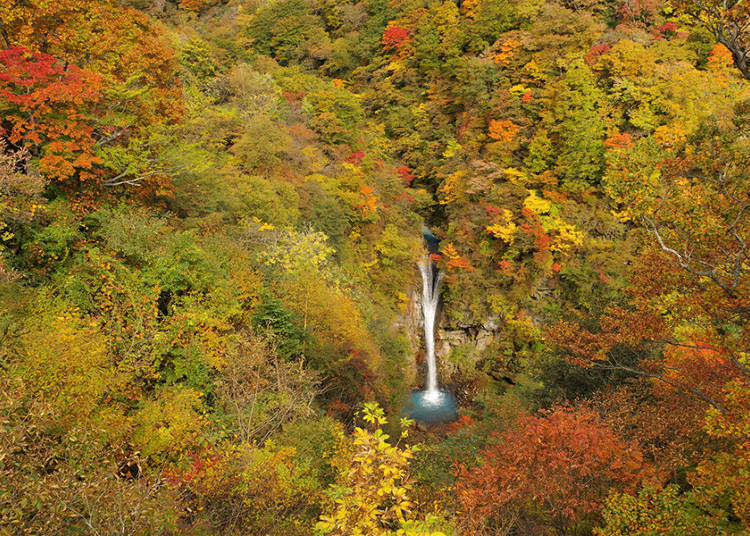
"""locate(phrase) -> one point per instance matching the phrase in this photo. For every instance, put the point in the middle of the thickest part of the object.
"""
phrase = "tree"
(371, 495)
(243, 488)
(49, 108)
(581, 130)
(656, 512)
(728, 21)
(118, 43)
(716, 501)
(554, 470)
(64, 433)
(696, 208)
(336, 112)
(722, 482)
(289, 31)
(20, 195)
(261, 391)
(395, 37)
(687, 302)
(102, 75)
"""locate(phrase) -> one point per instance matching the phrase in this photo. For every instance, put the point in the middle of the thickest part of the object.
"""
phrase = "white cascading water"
(430, 299)
(432, 405)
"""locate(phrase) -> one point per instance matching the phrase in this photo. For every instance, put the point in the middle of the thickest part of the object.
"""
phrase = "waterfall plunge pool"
(431, 407)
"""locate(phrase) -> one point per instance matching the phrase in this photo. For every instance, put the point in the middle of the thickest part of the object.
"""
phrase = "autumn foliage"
(50, 108)
(211, 216)
(395, 37)
(503, 130)
(538, 469)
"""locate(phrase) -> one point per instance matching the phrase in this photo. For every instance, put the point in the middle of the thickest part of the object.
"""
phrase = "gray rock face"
(478, 336)
(409, 323)
(472, 338)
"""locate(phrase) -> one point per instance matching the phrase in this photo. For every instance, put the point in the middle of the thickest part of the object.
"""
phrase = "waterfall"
(430, 298)
(432, 405)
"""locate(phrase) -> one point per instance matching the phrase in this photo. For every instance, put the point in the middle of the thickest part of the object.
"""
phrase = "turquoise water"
(432, 407)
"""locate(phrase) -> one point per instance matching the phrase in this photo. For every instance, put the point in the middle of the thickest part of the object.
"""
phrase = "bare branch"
(610, 365)
(684, 261)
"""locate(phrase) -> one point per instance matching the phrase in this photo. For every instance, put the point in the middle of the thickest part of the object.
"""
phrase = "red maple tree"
(556, 468)
(48, 107)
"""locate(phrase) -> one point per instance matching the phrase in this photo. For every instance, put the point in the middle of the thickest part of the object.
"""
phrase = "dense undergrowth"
(211, 212)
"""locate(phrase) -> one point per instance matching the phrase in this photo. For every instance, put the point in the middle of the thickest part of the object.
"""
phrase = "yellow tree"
(371, 497)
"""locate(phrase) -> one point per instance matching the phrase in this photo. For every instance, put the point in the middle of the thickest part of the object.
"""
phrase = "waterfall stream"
(433, 405)
(430, 298)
